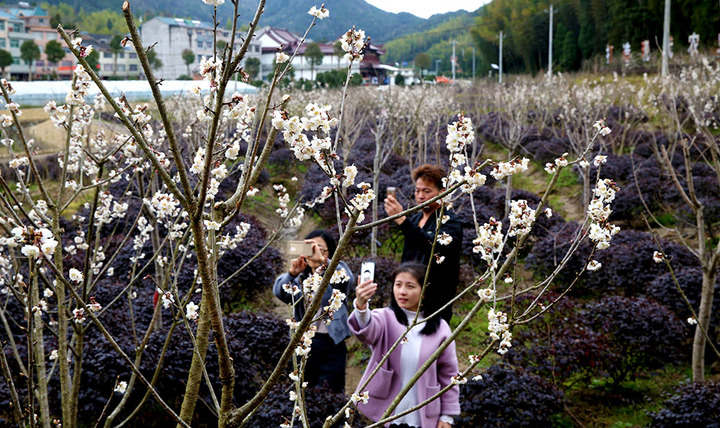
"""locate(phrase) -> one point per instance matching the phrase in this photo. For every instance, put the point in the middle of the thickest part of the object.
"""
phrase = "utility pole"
(550, 42)
(666, 40)
(454, 59)
(500, 60)
(473, 79)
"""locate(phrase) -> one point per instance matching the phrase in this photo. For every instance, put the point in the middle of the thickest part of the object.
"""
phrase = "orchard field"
(136, 261)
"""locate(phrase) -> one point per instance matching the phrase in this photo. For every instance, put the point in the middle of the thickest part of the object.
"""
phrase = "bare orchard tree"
(688, 105)
(150, 195)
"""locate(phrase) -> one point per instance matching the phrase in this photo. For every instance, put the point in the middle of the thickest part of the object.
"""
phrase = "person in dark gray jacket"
(326, 361)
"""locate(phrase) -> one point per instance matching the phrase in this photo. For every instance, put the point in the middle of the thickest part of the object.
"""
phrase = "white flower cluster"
(311, 284)
(489, 240)
(460, 134)
(163, 205)
(353, 43)
(243, 112)
(304, 347)
(458, 379)
(444, 239)
(283, 200)
(602, 127)
(599, 210)
(38, 242)
(79, 315)
(349, 175)
(504, 169)
(562, 160)
(291, 289)
(318, 119)
(107, 209)
(167, 298)
(339, 276)
(363, 397)
(362, 200)
(231, 242)
(498, 327)
(521, 218)
(94, 306)
(211, 70)
(336, 301)
(321, 13)
(80, 88)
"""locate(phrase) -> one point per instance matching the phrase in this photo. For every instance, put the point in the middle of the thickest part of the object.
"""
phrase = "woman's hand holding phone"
(364, 292)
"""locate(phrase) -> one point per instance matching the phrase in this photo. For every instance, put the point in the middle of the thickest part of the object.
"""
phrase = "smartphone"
(299, 248)
(391, 191)
(367, 271)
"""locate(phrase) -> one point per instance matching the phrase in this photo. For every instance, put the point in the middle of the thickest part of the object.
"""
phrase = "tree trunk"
(704, 311)
(38, 342)
(376, 183)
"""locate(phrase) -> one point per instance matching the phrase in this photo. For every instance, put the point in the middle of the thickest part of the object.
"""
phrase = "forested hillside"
(100, 16)
(584, 27)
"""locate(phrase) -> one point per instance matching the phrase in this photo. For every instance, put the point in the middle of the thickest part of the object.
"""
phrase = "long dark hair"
(417, 270)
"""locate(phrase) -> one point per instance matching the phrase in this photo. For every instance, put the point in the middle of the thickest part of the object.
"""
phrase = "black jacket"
(443, 278)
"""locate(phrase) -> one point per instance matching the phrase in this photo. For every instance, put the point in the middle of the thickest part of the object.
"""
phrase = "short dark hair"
(327, 237)
(417, 270)
(430, 173)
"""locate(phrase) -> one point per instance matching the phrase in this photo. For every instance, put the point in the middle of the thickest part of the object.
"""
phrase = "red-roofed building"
(273, 40)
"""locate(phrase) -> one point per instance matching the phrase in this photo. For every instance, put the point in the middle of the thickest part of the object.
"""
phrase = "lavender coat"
(382, 331)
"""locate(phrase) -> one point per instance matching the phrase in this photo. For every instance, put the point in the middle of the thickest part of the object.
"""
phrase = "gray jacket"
(338, 328)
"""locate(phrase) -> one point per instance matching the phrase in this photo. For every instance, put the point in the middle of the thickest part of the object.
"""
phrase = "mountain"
(435, 40)
(289, 14)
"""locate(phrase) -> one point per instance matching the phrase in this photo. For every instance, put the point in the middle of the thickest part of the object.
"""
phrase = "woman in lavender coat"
(380, 328)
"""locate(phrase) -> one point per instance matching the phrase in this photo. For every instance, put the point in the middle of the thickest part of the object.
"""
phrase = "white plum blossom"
(362, 200)
(167, 298)
(599, 160)
(562, 161)
(339, 276)
(504, 169)
(191, 311)
(321, 13)
(594, 265)
(53, 355)
(521, 218)
(121, 387)
(353, 43)
(486, 294)
(658, 257)
(498, 327)
(602, 127)
(550, 168)
(75, 275)
(349, 175)
(444, 239)
(79, 315)
(692, 321)
(489, 240)
(363, 397)
(281, 57)
(336, 300)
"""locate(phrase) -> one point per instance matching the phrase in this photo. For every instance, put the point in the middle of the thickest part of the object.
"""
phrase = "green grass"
(626, 404)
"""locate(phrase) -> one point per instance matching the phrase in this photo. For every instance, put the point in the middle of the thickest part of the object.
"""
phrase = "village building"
(175, 35)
